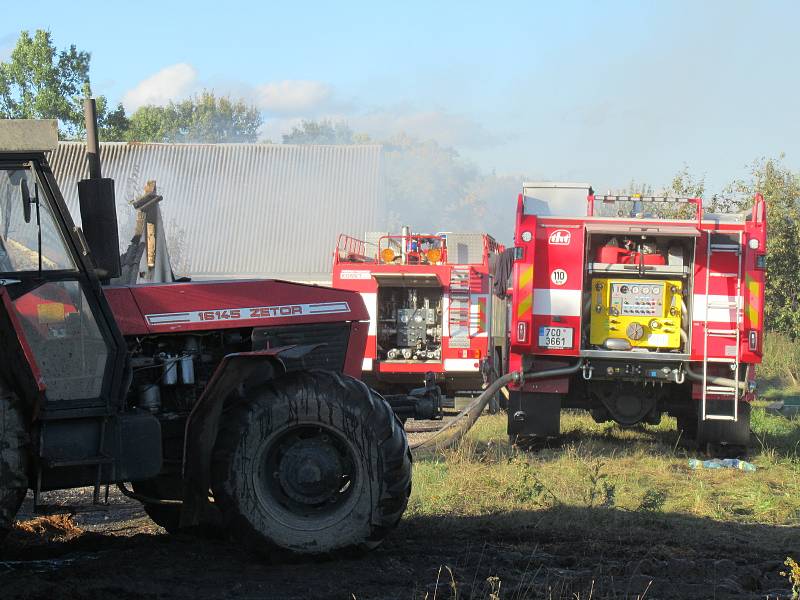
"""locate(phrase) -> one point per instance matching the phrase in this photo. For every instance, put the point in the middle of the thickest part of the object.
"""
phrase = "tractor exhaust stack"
(98, 207)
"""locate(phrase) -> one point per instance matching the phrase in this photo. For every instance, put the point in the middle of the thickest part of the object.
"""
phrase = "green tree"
(41, 82)
(205, 118)
(113, 124)
(781, 189)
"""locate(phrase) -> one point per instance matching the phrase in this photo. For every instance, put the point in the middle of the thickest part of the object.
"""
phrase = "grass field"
(606, 491)
(643, 469)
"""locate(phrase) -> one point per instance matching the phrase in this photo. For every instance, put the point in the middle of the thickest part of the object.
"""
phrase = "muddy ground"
(117, 553)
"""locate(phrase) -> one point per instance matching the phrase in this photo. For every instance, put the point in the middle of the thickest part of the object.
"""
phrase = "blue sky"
(590, 91)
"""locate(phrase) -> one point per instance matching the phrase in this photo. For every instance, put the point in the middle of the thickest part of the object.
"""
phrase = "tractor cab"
(64, 353)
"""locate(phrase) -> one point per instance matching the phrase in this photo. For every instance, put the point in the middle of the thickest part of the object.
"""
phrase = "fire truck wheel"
(727, 437)
(311, 463)
(687, 426)
(13, 459)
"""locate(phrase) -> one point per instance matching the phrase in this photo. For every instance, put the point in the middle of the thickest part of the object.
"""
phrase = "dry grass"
(51, 528)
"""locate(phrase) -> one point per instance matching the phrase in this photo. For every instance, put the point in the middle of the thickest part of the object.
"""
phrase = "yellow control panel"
(646, 313)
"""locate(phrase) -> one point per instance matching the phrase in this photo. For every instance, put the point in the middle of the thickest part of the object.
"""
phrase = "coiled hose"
(464, 421)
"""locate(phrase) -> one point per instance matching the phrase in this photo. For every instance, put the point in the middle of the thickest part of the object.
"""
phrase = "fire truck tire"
(735, 435)
(687, 426)
(311, 463)
(13, 459)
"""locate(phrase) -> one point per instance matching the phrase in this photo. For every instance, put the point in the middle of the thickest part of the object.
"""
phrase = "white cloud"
(296, 97)
(170, 83)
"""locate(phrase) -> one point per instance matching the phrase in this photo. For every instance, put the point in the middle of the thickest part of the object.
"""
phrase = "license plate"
(555, 337)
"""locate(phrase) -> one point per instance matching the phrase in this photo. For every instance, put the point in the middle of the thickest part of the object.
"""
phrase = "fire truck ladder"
(459, 312)
(726, 334)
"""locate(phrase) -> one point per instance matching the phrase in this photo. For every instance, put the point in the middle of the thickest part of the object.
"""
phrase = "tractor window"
(65, 339)
(19, 239)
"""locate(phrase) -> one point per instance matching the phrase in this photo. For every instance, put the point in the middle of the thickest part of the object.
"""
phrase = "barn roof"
(241, 210)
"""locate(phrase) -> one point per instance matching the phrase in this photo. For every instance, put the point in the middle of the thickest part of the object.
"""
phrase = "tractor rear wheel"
(312, 462)
(13, 459)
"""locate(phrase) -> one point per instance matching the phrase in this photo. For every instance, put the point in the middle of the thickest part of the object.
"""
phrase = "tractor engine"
(170, 371)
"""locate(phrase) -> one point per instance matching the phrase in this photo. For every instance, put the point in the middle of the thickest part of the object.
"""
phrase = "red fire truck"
(640, 306)
(431, 307)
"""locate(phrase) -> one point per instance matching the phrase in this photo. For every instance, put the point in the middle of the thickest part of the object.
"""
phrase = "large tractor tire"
(13, 460)
(311, 463)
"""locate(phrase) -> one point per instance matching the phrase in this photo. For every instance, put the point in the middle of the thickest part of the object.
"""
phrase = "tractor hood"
(207, 305)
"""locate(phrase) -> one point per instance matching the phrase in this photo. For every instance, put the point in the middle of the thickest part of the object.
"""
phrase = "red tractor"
(235, 403)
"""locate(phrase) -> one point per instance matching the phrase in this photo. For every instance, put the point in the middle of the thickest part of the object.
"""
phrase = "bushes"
(781, 360)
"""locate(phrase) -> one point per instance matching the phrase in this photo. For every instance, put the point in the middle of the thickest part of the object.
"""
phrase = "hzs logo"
(560, 237)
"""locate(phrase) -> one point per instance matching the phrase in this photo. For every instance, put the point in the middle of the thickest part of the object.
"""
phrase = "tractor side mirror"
(26, 200)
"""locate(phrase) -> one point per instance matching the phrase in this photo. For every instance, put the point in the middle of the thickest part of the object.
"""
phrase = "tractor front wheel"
(13, 459)
(312, 462)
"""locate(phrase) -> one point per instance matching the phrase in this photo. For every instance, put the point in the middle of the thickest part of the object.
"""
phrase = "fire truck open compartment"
(637, 290)
(409, 318)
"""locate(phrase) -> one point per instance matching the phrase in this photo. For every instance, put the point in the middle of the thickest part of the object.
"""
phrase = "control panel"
(636, 313)
(637, 299)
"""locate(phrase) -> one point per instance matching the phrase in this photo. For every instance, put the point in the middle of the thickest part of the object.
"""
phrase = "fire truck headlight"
(753, 243)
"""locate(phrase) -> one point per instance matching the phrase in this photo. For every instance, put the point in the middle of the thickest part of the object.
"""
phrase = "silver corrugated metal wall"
(242, 210)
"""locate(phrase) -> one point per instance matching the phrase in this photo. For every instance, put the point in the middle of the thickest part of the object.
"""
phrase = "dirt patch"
(556, 553)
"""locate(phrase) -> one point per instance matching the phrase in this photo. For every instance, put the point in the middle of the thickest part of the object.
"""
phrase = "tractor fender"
(202, 424)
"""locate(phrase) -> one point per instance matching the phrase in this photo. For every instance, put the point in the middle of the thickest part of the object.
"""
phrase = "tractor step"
(91, 461)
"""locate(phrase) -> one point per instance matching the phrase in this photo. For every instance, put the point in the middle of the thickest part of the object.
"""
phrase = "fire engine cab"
(639, 306)
(431, 307)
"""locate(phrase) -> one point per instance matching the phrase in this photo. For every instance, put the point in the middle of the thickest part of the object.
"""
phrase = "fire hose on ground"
(464, 421)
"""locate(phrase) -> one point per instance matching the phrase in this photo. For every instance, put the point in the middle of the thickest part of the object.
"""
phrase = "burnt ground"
(562, 552)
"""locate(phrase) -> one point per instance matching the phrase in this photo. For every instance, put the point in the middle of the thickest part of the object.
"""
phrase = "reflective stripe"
(564, 303)
(526, 275)
(753, 302)
(461, 364)
(371, 301)
(524, 285)
(366, 364)
(524, 306)
(715, 315)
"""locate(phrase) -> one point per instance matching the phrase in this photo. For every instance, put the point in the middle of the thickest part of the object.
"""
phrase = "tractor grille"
(334, 336)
